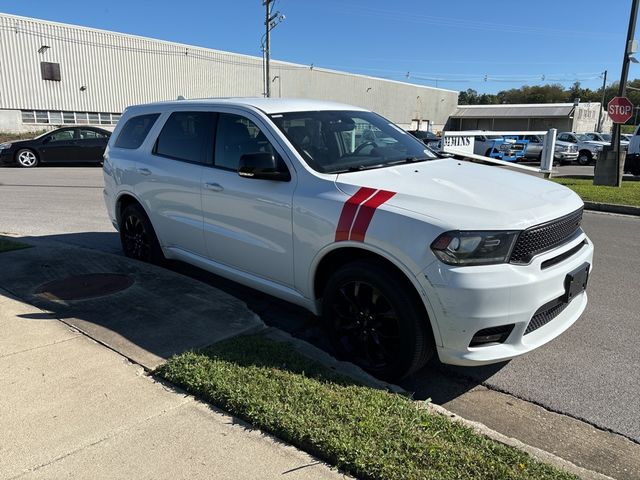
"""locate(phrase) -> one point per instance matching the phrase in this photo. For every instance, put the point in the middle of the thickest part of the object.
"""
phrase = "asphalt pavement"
(589, 373)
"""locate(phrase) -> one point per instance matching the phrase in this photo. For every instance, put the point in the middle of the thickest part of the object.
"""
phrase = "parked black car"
(64, 145)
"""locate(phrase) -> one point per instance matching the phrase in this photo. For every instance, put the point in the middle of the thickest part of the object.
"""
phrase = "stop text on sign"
(620, 109)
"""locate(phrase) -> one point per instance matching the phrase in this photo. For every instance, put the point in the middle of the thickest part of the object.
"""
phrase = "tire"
(137, 236)
(390, 337)
(27, 158)
(584, 158)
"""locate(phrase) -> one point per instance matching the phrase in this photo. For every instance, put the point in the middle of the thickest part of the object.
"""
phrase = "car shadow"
(438, 382)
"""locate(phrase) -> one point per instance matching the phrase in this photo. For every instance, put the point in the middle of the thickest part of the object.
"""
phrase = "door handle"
(216, 187)
(144, 171)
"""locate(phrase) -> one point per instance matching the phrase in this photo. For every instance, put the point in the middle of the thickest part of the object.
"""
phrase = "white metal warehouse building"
(56, 74)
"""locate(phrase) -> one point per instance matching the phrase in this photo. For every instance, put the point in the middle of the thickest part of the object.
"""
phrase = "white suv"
(334, 208)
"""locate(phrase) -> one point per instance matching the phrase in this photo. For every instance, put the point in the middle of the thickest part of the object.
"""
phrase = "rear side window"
(135, 131)
(187, 136)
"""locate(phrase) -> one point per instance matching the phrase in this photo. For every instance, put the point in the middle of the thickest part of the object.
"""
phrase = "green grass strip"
(365, 432)
(627, 194)
(7, 245)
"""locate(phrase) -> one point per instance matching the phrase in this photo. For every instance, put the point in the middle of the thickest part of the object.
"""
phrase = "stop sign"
(619, 109)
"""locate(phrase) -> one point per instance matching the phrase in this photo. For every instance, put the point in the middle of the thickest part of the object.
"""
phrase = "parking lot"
(589, 373)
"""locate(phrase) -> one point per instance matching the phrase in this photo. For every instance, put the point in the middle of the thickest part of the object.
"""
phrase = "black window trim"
(210, 147)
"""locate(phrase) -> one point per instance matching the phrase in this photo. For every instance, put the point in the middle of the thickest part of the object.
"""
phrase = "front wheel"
(137, 236)
(374, 320)
(26, 158)
(584, 158)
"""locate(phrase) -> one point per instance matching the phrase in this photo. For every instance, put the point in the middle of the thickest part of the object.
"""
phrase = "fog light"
(491, 335)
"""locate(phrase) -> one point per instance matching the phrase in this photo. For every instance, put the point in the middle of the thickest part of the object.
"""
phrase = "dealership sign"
(620, 109)
(458, 144)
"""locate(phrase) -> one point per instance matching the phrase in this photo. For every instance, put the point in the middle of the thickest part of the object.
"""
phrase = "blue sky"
(451, 43)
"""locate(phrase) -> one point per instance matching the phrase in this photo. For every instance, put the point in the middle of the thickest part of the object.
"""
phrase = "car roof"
(267, 105)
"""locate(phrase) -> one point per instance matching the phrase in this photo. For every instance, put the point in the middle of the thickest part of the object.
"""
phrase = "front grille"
(545, 314)
(517, 146)
(544, 237)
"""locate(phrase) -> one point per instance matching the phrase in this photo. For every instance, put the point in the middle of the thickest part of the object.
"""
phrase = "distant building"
(566, 117)
(55, 74)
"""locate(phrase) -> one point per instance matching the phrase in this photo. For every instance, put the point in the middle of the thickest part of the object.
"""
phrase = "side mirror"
(262, 166)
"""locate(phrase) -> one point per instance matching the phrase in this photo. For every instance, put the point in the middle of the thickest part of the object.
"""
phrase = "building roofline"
(213, 50)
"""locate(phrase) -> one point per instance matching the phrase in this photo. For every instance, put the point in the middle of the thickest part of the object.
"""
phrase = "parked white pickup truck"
(588, 150)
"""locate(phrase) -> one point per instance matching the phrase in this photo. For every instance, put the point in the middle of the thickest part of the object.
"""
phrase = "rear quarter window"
(135, 131)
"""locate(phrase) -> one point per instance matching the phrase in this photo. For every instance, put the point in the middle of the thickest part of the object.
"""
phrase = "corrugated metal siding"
(119, 70)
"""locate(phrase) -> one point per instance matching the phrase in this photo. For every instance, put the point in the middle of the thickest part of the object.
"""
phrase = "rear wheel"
(374, 320)
(137, 236)
(26, 158)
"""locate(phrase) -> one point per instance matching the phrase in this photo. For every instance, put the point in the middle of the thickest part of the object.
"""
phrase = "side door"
(248, 222)
(91, 145)
(170, 180)
(60, 146)
(634, 143)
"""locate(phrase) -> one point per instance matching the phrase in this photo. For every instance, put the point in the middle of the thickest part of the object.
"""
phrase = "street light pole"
(604, 87)
(267, 46)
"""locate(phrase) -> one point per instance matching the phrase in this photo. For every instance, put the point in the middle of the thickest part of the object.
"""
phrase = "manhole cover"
(80, 287)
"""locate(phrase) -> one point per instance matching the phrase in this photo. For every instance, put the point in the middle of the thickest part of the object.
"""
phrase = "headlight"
(504, 147)
(5, 146)
(474, 248)
(561, 148)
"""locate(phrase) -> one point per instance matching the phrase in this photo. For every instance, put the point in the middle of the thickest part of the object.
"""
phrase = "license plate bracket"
(576, 282)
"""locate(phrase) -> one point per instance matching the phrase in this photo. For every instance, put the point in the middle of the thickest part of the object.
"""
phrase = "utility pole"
(602, 107)
(604, 175)
(267, 47)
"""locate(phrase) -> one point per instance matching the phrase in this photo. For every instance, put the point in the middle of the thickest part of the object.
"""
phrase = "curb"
(581, 176)
(612, 208)
(537, 453)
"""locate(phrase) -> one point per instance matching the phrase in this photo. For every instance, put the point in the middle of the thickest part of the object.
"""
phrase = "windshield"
(582, 137)
(344, 141)
(606, 137)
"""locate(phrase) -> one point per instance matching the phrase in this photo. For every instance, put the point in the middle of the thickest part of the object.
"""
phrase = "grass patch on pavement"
(628, 194)
(366, 432)
(6, 245)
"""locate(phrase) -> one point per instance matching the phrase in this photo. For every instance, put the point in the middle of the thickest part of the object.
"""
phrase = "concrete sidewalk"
(72, 408)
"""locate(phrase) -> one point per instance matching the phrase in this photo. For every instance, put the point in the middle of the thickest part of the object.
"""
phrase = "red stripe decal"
(365, 214)
(349, 211)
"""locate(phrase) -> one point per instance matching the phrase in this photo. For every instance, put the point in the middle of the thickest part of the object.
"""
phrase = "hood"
(18, 143)
(596, 142)
(463, 195)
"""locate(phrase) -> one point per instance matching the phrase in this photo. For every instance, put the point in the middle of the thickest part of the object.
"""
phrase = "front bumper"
(466, 300)
(6, 157)
(566, 156)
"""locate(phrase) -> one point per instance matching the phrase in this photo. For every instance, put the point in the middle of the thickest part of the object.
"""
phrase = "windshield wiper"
(359, 168)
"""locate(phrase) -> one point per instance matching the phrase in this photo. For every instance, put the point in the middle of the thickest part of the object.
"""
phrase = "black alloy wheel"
(375, 322)
(138, 239)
